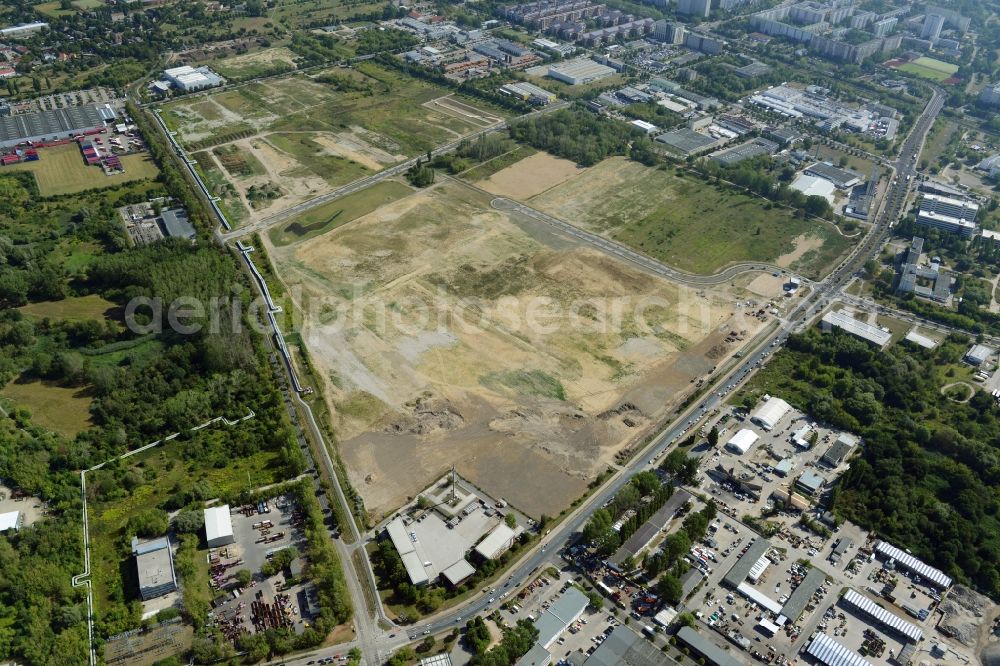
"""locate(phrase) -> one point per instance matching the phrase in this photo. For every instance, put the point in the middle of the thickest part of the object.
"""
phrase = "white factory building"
(579, 71)
(188, 79)
(12, 520)
(814, 186)
(218, 526)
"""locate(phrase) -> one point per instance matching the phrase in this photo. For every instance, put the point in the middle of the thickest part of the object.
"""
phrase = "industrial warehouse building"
(189, 79)
(872, 334)
(496, 542)
(828, 651)
(741, 442)
(579, 71)
(814, 186)
(687, 141)
(711, 652)
(839, 450)
(154, 565)
(53, 125)
(649, 530)
(218, 526)
(529, 93)
(770, 413)
(842, 179)
(887, 621)
(906, 561)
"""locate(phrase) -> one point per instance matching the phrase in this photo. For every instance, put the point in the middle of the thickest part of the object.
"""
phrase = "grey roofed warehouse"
(51, 125)
(154, 565)
(686, 141)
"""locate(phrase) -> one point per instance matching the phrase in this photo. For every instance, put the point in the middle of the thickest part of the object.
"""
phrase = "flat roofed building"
(739, 571)
(406, 548)
(218, 526)
(810, 482)
(624, 647)
(49, 125)
(886, 620)
(814, 186)
(841, 178)
(741, 442)
(188, 79)
(458, 572)
(949, 214)
(22, 30)
(769, 414)
(10, 521)
(839, 450)
(529, 92)
(579, 71)
(843, 543)
(831, 653)
(154, 565)
(872, 334)
(913, 564)
(644, 536)
(536, 656)
(712, 653)
(687, 141)
(496, 542)
(802, 594)
(978, 354)
(176, 224)
(563, 612)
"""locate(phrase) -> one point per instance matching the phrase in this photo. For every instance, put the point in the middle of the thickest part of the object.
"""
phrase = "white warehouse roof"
(911, 563)
(814, 186)
(407, 552)
(832, 653)
(772, 411)
(9, 521)
(496, 542)
(863, 330)
(881, 615)
(742, 441)
(218, 524)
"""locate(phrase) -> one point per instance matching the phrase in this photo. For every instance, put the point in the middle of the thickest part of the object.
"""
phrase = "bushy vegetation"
(928, 478)
(599, 532)
(576, 134)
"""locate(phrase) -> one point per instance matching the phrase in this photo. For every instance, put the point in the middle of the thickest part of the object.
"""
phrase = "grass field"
(334, 169)
(688, 223)
(387, 105)
(65, 410)
(80, 308)
(53, 10)
(329, 216)
(257, 63)
(929, 68)
(61, 170)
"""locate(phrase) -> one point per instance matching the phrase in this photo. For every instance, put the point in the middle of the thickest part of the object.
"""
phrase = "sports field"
(683, 221)
(929, 68)
(61, 170)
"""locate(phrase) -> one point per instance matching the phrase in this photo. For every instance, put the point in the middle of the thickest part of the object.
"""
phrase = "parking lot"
(261, 531)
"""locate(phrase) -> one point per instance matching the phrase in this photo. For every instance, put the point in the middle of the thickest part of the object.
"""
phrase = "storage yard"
(416, 320)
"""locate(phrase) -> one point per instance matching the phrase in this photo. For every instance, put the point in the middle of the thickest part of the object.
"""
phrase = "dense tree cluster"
(928, 478)
(576, 134)
(515, 643)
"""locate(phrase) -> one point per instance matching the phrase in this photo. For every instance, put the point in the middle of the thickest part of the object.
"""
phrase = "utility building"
(741, 442)
(218, 526)
(154, 564)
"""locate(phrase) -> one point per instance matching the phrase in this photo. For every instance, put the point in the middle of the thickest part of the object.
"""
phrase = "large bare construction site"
(447, 332)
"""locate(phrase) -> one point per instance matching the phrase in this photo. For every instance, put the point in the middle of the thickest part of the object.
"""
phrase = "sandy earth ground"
(530, 176)
(447, 332)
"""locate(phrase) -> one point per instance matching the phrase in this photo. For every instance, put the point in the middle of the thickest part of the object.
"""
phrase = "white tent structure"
(771, 412)
(741, 442)
(218, 526)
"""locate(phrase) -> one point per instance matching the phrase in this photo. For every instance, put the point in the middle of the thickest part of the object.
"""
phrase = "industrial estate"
(515, 333)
